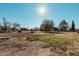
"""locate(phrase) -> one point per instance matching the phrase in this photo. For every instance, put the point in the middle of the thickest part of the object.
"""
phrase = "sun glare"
(41, 11)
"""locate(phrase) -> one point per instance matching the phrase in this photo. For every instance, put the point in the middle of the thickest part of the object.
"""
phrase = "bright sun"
(41, 10)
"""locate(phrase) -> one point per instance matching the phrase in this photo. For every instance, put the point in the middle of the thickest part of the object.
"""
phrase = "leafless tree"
(63, 25)
(15, 26)
(47, 25)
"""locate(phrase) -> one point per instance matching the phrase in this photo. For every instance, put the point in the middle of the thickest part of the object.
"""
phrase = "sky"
(30, 14)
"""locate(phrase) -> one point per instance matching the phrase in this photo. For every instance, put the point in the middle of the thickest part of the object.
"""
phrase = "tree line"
(46, 26)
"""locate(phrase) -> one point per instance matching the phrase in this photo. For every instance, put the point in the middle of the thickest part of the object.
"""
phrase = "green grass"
(52, 40)
(76, 38)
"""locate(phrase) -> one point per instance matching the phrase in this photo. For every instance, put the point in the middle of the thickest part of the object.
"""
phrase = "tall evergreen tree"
(73, 26)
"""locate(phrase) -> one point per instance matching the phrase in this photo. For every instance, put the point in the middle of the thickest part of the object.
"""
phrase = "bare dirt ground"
(16, 44)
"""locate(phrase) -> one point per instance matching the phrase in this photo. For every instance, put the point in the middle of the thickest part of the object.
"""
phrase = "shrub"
(19, 31)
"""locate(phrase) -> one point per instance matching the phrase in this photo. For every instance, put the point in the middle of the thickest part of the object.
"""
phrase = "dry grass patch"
(14, 42)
